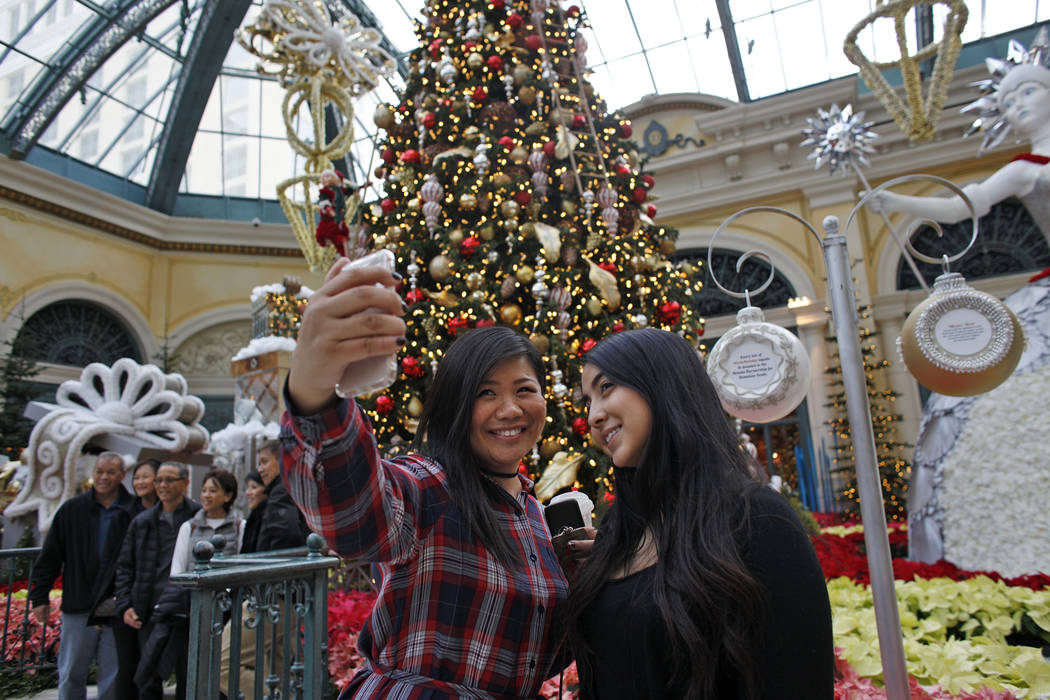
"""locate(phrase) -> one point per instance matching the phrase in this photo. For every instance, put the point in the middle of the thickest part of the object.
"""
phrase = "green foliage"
(16, 390)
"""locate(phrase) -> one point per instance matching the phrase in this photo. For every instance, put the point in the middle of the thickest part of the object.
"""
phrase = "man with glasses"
(81, 544)
(144, 565)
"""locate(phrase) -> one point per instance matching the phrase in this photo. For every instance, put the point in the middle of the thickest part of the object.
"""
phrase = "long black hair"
(444, 426)
(690, 491)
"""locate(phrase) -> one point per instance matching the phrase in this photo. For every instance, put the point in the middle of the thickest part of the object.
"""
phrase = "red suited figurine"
(332, 229)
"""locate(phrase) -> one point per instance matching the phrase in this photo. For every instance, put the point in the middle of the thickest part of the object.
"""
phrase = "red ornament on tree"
(648, 180)
(617, 327)
(498, 4)
(639, 195)
(435, 48)
(411, 367)
(506, 141)
(587, 345)
(670, 313)
(522, 197)
(469, 246)
(414, 296)
(387, 205)
(514, 21)
(610, 268)
(457, 324)
(481, 93)
(429, 120)
(468, 45)
(578, 120)
(384, 404)
(388, 155)
(495, 63)
(484, 323)
(410, 155)
(580, 427)
(651, 211)
(533, 42)
(622, 169)
(549, 148)
(625, 130)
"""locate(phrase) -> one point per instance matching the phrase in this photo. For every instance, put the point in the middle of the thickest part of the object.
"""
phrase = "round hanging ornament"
(760, 370)
(960, 341)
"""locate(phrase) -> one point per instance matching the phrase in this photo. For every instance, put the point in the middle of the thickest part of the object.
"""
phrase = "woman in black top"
(701, 584)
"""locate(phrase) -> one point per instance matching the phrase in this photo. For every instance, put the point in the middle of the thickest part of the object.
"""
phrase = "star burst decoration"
(990, 118)
(300, 38)
(839, 138)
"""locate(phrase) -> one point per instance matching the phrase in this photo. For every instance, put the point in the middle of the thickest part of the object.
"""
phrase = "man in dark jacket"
(85, 535)
(276, 523)
(145, 563)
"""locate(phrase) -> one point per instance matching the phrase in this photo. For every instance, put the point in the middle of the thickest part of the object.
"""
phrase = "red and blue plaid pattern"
(450, 620)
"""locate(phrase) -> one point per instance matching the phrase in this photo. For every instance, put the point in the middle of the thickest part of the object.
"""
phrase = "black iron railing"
(23, 647)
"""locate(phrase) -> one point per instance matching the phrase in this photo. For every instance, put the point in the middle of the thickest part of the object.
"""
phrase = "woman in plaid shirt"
(470, 588)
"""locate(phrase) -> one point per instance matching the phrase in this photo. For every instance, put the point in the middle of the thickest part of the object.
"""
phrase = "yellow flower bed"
(954, 633)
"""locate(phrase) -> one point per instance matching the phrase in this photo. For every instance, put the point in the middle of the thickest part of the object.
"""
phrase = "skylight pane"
(613, 29)
(277, 156)
(395, 17)
(656, 20)
(711, 64)
(743, 10)
(696, 15)
(804, 61)
(838, 18)
(671, 69)
(204, 168)
(760, 53)
(1001, 17)
(270, 109)
(631, 83)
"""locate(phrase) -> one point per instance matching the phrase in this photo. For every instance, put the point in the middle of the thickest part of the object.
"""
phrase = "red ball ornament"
(469, 246)
(411, 368)
(435, 48)
(388, 155)
(522, 197)
(481, 93)
(548, 149)
(578, 120)
(648, 180)
(384, 404)
(514, 21)
(457, 324)
(533, 42)
(700, 332)
(498, 4)
(625, 130)
(468, 45)
(414, 296)
(587, 345)
(495, 63)
(506, 141)
(410, 155)
(446, 102)
(617, 327)
(639, 195)
(429, 120)
(669, 313)
(610, 268)
(651, 211)
(387, 205)
(484, 323)
(622, 169)
(580, 427)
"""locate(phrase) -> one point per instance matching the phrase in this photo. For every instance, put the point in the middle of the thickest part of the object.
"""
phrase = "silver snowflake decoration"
(990, 119)
(839, 138)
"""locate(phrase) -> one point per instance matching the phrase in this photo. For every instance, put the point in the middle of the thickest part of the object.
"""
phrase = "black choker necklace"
(498, 475)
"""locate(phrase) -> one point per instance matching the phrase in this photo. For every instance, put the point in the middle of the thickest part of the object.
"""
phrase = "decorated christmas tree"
(514, 197)
(894, 469)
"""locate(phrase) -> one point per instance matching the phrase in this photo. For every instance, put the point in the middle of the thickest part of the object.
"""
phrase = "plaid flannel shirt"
(450, 620)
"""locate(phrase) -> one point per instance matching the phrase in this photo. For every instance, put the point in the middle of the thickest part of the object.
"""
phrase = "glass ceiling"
(118, 121)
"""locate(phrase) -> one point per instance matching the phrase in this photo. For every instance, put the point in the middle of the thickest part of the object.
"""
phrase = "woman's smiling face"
(508, 415)
(619, 417)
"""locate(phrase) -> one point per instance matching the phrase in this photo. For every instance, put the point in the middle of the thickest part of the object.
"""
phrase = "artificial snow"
(278, 288)
(261, 346)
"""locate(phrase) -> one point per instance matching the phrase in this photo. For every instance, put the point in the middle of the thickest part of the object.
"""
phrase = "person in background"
(701, 583)
(143, 568)
(85, 534)
(255, 493)
(276, 523)
(471, 590)
(142, 483)
(215, 517)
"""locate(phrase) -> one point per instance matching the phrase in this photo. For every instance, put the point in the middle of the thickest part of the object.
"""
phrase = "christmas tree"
(894, 469)
(514, 197)
(16, 390)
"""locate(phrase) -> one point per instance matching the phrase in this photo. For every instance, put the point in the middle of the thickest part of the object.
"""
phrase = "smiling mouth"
(611, 435)
(508, 432)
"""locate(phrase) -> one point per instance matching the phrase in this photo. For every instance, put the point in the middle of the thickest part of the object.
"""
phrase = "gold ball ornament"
(475, 60)
(440, 268)
(510, 314)
(478, 295)
(524, 274)
(383, 116)
(487, 232)
(474, 280)
(395, 232)
(667, 246)
(569, 207)
(455, 236)
(509, 208)
(960, 341)
(528, 229)
(594, 306)
(471, 134)
(415, 204)
(381, 241)
(518, 154)
(549, 448)
(542, 342)
(527, 94)
(468, 201)
(510, 225)
(522, 73)
(500, 179)
(415, 407)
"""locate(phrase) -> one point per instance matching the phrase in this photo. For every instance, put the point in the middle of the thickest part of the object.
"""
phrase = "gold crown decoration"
(918, 118)
(321, 61)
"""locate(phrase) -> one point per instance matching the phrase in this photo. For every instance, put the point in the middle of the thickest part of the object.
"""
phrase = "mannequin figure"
(332, 229)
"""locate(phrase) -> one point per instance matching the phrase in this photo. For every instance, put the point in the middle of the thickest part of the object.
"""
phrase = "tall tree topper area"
(514, 197)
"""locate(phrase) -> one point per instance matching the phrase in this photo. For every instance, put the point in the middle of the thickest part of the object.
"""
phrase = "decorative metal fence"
(24, 646)
(258, 625)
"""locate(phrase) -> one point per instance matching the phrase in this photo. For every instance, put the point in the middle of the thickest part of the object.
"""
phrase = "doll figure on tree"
(1016, 97)
(332, 229)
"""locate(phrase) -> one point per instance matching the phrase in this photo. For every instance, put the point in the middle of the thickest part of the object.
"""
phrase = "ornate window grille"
(75, 333)
(711, 301)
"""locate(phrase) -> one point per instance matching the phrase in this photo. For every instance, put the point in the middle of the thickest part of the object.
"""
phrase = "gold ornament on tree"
(320, 60)
(918, 118)
(559, 474)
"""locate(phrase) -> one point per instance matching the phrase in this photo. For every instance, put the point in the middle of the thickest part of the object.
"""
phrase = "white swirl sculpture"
(129, 400)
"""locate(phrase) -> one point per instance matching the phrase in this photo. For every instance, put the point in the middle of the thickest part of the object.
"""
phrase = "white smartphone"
(373, 373)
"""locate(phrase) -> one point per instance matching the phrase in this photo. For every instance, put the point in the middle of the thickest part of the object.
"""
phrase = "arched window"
(712, 301)
(75, 333)
(1008, 241)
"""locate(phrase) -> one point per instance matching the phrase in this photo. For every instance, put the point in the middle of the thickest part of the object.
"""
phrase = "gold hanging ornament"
(321, 61)
(918, 118)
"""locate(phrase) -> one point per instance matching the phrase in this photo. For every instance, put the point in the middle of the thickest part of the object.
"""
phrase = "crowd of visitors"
(115, 552)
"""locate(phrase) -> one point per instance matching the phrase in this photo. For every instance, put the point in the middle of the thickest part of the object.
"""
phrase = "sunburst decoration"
(839, 138)
(298, 38)
(990, 118)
